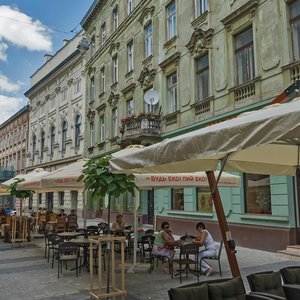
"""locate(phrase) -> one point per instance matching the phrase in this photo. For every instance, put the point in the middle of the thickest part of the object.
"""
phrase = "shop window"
(204, 200)
(257, 194)
(177, 199)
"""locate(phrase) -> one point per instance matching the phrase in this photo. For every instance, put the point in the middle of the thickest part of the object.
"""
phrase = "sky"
(29, 29)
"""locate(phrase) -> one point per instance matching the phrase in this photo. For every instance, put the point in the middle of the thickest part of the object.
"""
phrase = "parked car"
(10, 211)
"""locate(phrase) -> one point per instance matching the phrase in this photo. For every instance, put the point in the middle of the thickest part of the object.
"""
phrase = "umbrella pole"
(108, 252)
(224, 228)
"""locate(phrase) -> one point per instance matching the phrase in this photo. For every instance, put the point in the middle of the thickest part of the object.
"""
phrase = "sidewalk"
(25, 274)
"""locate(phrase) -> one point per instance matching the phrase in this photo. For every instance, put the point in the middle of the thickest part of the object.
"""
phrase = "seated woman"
(207, 240)
(164, 243)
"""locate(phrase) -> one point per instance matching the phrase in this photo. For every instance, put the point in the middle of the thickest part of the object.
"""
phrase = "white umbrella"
(35, 174)
(265, 141)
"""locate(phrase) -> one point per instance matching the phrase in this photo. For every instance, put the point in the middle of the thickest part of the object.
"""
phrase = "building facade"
(207, 61)
(13, 149)
(57, 118)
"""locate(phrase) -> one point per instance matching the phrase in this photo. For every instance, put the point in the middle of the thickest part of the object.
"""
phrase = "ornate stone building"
(13, 148)
(57, 117)
(208, 61)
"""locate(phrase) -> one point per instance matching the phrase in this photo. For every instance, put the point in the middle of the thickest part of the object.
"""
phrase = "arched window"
(33, 145)
(77, 130)
(42, 143)
(52, 139)
(64, 135)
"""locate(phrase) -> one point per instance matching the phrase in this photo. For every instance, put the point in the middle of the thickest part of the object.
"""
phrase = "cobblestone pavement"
(25, 274)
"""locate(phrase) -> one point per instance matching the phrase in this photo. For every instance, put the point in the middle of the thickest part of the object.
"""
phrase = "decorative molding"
(77, 107)
(174, 58)
(90, 114)
(57, 89)
(145, 13)
(129, 88)
(63, 115)
(101, 107)
(114, 47)
(146, 77)
(70, 81)
(113, 99)
(200, 41)
(248, 8)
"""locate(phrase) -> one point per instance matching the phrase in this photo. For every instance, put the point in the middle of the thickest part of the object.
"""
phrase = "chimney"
(65, 42)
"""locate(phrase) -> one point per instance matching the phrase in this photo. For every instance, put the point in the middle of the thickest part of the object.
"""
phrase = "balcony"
(143, 128)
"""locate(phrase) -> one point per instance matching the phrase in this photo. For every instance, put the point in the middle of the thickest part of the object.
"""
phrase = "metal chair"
(185, 260)
(68, 251)
(217, 257)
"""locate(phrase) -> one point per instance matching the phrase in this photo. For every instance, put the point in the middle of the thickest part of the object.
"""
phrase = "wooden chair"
(72, 223)
(61, 224)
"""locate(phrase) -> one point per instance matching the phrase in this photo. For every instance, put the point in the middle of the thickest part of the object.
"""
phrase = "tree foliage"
(100, 181)
(18, 194)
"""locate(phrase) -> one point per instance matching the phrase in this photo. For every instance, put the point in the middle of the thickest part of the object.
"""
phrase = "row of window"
(257, 197)
(16, 136)
(63, 96)
(52, 137)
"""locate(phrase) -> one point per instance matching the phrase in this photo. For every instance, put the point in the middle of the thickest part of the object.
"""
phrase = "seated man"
(119, 224)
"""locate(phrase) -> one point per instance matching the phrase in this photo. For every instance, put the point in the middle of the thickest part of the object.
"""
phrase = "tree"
(16, 193)
(100, 181)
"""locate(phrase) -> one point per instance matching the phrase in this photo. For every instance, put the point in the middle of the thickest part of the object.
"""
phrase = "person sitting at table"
(164, 243)
(72, 221)
(206, 239)
(62, 214)
(119, 224)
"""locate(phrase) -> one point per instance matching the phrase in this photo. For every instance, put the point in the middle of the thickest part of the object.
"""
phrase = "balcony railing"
(139, 126)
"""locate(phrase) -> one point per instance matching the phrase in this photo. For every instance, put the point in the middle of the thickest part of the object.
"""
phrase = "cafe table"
(70, 235)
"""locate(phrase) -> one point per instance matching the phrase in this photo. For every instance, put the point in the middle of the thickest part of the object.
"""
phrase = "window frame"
(202, 93)
(172, 93)
(247, 50)
(52, 139)
(115, 69)
(64, 130)
(102, 80)
(43, 137)
(103, 33)
(171, 20)
(256, 199)
(148, 40)
(130, 56)
(102, 128)
(130, 6)
(114, 119)
(295, 20)
(77, 131)
(115, 16)
(201, 7)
